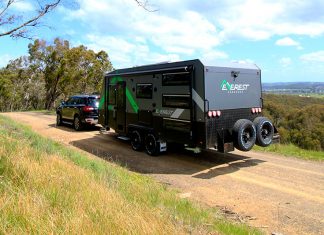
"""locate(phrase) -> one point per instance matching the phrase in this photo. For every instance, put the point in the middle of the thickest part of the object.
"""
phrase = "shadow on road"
(69, 127)
(175, 161)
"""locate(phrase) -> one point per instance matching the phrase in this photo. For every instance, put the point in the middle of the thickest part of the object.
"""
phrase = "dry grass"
(48, 188)
(48, 194)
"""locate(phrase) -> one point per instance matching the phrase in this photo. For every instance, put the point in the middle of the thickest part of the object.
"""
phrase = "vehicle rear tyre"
(77, 124)
(244, 133)
(58, 120)
(136, 140)
(151, 145)
(264, 131)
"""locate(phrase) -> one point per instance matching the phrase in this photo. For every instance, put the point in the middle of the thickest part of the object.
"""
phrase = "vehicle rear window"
(92, 101)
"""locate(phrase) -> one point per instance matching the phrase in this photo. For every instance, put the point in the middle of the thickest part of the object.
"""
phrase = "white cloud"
(128, 53)
(285, 61)
(262, 19)
(286, 41)
(213, 57)
(187, 29)
(317, 56)
(22, 6)
(132, 34)
(4, 59)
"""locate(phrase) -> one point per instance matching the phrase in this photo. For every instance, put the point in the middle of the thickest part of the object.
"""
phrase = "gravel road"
(275, 193)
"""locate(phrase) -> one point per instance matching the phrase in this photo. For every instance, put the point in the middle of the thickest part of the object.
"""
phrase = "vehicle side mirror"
(62, 102)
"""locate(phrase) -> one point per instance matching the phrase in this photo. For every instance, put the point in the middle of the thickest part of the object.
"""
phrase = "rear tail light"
(256, 110)
(87, 108)
(214, 113)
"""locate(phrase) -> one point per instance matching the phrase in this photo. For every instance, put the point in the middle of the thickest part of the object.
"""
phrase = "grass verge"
(291, 150)
(46, 187)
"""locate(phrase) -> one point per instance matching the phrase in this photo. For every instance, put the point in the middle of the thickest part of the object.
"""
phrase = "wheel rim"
(136, 140)
(266, 131)
(76, 123)
(150, 144)
(247, 135)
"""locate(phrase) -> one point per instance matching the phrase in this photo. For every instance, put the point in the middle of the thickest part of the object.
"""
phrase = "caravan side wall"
(154, 100)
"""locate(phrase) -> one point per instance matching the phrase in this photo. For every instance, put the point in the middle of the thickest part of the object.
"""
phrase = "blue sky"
(284, 38)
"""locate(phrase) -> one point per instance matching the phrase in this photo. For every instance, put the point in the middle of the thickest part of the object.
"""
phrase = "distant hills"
(294, 87)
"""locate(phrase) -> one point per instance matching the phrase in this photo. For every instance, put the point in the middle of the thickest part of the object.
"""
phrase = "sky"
(284, 38)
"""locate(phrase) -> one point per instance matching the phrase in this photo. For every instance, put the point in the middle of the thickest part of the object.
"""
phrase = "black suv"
(79, 110)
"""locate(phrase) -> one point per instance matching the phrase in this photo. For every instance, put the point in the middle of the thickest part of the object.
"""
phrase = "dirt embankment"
(275, 193)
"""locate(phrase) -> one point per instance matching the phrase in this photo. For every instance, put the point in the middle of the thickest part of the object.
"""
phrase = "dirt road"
(277, 194)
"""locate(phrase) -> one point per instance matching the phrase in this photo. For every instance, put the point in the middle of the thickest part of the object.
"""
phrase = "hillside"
(300, 120)
(294, 87)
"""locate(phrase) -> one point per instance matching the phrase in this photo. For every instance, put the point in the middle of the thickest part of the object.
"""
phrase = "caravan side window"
(176, 79)
(144, 90)
(176, 101)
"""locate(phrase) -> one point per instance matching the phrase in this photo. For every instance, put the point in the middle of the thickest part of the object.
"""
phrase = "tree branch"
(145, 5)
(7, 6)
(31, 22)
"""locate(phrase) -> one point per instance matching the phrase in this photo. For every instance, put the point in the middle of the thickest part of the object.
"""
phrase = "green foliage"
(300, 120)
(291, 150)
(51, 71)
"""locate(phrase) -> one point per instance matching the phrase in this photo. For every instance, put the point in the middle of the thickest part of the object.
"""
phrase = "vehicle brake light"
(253, 110)
(87, 108)
(210, 113)
(218, 113)
(214, 113)
(260, 110)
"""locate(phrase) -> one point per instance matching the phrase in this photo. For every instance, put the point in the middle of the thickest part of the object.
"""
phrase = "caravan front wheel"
(136, 141)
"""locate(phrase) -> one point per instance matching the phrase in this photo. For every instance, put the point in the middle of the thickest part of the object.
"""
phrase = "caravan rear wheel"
(151, 145)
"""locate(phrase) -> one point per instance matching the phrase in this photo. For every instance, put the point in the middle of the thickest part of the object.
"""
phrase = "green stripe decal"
(129, 96)
(131, 100)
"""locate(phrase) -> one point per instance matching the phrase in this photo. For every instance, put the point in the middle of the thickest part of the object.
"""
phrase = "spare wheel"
(244, 134)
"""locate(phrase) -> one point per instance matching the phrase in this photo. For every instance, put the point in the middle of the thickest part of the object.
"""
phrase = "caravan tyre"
(136, 140)
(264, 131)
(244, 134)
(151, 145)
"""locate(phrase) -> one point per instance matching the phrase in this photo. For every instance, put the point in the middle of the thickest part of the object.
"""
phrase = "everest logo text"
(234, 88)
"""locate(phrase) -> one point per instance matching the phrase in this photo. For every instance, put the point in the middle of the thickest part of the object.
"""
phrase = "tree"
(66, 70)
(18, 25)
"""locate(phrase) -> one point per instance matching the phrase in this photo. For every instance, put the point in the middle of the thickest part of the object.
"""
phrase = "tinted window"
(176, 101)
(144, 90)
(92, 101)
(176, 79)
(73, 100)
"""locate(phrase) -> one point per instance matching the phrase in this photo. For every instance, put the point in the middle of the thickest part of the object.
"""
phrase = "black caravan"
(206, 107)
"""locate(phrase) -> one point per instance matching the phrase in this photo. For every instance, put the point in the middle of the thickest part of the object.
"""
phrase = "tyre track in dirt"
(275, 193)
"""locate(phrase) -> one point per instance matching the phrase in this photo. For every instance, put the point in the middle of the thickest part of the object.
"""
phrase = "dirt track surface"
(274, 193)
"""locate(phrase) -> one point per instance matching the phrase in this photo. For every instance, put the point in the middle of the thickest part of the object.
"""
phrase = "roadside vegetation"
(300, 121)
(46, 187)
(51, 71)
(291, 150)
